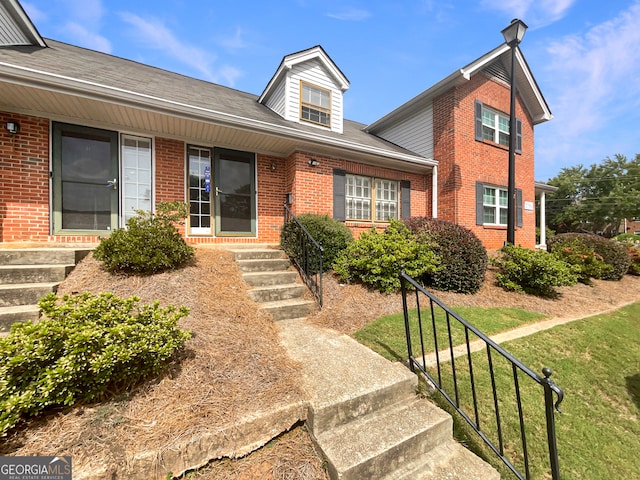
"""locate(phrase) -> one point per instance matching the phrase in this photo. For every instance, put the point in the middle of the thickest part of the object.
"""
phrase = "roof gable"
(314, 69)
(496, 63)
(15, 26)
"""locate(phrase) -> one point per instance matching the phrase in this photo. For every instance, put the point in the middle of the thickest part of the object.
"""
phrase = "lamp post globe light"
(513, 34)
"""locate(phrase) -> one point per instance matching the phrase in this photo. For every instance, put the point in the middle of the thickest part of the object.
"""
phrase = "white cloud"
(36, 15)
(154, 34)
(592, 90)
(535, 13)
(350, 14)
(87, 38)
(234, 42)
(85, 11)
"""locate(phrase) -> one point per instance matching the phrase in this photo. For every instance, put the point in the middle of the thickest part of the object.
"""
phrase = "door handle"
(113, 183)
(218, 191)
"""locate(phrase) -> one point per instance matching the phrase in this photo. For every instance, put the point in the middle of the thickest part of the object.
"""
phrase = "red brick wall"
(24, 179)
(25, 195)
(463, 160)
(313, 192)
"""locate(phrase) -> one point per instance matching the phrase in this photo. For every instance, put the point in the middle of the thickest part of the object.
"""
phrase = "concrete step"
(276, 293)
(24, 293)
(264, 265)
(257, 254)
(377, 444)
(389, 391)
(262, 279)
(42, 256)
(449, 460)
(21, 313)
(289, 309)
(12, 274)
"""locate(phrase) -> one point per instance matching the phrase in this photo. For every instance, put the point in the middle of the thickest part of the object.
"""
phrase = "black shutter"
(478, 120)
(518, 135)
(479, 203)
(405, 197)
(339, 180)
(518, 207)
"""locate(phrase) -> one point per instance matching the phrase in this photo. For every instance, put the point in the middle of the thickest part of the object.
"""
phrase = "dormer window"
(315, 104)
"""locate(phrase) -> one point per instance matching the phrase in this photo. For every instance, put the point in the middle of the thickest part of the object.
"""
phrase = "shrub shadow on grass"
(633, 387)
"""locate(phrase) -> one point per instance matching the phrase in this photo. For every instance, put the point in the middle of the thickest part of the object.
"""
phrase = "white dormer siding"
(414, 133)
(311, 67)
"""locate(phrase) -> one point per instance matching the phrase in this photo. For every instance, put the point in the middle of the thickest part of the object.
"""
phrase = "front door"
(235, 186)
(85, 180)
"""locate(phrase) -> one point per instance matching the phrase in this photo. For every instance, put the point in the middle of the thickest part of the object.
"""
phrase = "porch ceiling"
(162, 120)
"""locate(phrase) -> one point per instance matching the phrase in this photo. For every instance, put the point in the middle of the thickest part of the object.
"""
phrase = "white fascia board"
(295, 58)
(71, 86)
(546, 112)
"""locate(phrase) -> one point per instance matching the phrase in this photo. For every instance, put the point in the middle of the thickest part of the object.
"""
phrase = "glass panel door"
(199, 190)
(235, 212)
(85, 179)
(136, 176)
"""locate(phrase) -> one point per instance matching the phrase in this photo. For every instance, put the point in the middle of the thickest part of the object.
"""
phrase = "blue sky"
(584, 54)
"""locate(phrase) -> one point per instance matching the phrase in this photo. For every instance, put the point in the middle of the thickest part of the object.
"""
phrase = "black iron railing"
(305, 252)
(445, 358)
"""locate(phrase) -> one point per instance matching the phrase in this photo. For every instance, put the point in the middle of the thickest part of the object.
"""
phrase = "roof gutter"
(92, 90)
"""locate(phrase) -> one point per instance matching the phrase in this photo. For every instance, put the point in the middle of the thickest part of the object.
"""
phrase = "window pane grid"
(495, 127)
(315, 105)
(362, 205)
(495, 206)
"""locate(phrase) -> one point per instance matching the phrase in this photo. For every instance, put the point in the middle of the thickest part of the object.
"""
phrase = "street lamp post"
(513, 36)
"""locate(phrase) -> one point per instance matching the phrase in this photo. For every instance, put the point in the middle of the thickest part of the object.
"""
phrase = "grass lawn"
(387, 334)
(596, 362)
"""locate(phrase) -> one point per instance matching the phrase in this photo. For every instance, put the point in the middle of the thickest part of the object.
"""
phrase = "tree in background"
(595, 199)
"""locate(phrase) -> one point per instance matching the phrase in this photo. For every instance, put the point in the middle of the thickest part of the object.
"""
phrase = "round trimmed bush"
(461, 253)
(150, 244)
(612, 252)
(332, 235)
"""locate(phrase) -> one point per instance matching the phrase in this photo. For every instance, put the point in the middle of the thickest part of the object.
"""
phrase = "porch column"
(543, 219)
(434, 192)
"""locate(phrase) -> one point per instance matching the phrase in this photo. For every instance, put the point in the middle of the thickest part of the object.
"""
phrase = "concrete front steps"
(26, 274)
(366, 418)
(276, 285)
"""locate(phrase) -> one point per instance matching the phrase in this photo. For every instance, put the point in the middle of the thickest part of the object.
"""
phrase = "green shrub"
(612, 252)
(83, 348)
(589, 263)
(463, 257)
(376, 259)
(150, 244)
(631, 242)
(332, 235)
(628, 238)
(533, 271)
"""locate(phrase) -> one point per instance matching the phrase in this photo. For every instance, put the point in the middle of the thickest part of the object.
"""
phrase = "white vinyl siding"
(278, 100)
(136, 177)
(414, 133)
(313, 73)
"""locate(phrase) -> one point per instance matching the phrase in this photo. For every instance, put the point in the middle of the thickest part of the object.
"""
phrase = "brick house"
(87, 137)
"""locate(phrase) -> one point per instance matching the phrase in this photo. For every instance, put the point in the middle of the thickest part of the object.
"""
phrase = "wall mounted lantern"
(13, 127)
(313, 162)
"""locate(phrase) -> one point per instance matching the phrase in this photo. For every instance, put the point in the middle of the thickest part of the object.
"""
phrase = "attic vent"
(497, 71)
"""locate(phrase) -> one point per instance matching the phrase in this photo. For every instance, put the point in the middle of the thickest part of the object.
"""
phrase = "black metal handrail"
(457, 372)
(306, 254)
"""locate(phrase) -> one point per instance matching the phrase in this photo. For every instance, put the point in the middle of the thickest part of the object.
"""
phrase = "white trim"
(67, 85)
(434, 192)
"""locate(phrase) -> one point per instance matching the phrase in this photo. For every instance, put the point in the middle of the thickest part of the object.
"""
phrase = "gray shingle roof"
(64, 62)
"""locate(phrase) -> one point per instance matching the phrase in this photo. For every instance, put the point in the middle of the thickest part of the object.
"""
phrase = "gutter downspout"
(434, 191)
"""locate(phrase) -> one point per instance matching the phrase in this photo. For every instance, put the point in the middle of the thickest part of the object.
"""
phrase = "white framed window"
(495, 126)
(136, 176)
(315, 104)
(370, 198)
(495, 206)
